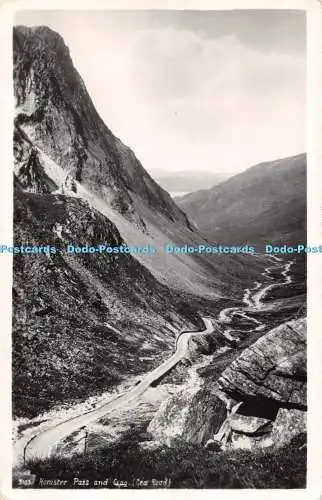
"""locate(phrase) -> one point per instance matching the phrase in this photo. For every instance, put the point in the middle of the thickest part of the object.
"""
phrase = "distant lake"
(178, 193)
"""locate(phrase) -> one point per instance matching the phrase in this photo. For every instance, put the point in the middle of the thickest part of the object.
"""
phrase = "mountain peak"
(43, 35)
(56, 112)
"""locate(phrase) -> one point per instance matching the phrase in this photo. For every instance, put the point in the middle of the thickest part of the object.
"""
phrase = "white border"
(314, 149)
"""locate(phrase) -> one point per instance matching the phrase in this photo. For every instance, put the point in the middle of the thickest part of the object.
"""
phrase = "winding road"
(253, 297)
(44, 443)
(258, 296)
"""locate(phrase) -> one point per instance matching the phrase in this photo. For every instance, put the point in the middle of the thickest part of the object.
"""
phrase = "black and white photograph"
(159, 249)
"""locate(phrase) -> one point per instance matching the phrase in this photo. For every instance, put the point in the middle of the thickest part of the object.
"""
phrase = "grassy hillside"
(266, 203)
(82, 323)
(185, 466)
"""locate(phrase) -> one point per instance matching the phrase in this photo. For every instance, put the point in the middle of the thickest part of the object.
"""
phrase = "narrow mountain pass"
(44, 443)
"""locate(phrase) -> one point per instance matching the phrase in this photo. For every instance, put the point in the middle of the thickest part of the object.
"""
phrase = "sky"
(192, 90)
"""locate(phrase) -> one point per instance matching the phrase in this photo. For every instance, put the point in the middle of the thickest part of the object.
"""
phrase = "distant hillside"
(266, 203)
(189, 180)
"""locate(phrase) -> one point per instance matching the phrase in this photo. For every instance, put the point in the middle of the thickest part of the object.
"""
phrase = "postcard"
(161, 249)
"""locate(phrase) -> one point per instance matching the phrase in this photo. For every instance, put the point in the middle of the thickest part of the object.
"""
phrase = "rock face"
(273, 368)
(53, 107)
(288, 424)
(28, 166)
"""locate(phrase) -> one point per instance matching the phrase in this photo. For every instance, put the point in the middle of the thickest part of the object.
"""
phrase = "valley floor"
(126, 434)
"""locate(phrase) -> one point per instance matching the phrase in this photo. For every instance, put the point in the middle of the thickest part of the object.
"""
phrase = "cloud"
(184, 100)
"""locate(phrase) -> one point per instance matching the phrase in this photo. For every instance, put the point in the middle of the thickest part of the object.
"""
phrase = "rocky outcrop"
(28, 166)
(288, 424)
(269, 378)
(251, 426)
(273, 368)
(258, 398)
(189, 415)
(251, 434)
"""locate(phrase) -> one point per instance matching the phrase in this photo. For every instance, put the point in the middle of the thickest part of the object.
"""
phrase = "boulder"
(191, 416)
(250, 425)
(273, 368)
(288, 424)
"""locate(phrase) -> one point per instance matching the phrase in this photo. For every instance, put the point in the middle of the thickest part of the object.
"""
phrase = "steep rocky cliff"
(54, 107)
(58, 133)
